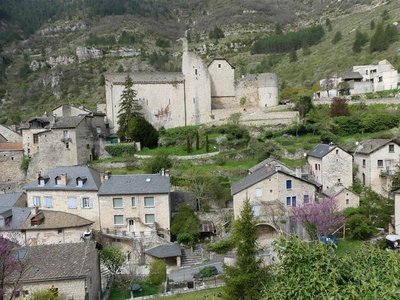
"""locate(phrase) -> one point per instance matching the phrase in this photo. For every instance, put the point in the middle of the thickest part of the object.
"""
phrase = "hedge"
(120, 149)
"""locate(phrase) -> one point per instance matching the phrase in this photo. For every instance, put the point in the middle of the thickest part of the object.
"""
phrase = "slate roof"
(221, 58)
(272, 163)
(58, 261)
(135, 184)
(19, 216)
(321, 150)
(348, 75)
(260, 175)
(147, 77)
(56, 220)
(9, 199)
(163, 251)
(68, 122)
(334, 190)
(369, 146)
(91, 184)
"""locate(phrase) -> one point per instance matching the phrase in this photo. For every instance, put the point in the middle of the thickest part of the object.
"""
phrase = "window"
(66, 145)
(380, 163)
(41, 182)
(79, 183)
(364, 163)
(86, 202)
(195, 71)
(258, 192)
(72, 202)
(256, 210)
(149, 218)
(219, 66)
(391, 148)
(306, 199)
(347, 201)
(35, 138)
(36, 201)
(337, 151)
(48, 202)
(316, 167)
(288, 184)
(291, 201)
(380, 79)
(65, 134)
(118, 220)
(58, 181)
(133, 202)
(117, 203)
(148, 201)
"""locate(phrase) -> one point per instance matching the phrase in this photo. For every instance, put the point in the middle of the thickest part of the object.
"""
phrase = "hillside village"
(59, 199)
(171, 186)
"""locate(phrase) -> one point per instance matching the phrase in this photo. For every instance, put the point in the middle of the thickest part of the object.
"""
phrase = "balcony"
(121, 233)
(388, 172)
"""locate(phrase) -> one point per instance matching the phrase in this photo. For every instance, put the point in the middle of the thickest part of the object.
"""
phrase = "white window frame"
(115, 219)
(258, 192)
(133, 202)
(85, 202)
(144, 201)
(145, 218)
(122, 203)
(37, 198)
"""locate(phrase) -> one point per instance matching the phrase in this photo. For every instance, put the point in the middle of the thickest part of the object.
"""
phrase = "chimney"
(105, 176)
(277, 167)
(162, 172)
(39, 175)
(63, 178)
(298, 172)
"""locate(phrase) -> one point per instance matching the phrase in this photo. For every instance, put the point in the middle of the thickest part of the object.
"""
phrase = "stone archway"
(266, 233)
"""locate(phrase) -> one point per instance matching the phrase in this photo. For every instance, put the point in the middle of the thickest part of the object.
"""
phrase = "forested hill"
(57, 51)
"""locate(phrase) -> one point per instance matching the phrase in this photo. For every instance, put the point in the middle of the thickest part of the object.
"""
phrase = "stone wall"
(67, 289)
(11, 173)
(54, 236)
(9, 135)
(337, 166)
(222, 77)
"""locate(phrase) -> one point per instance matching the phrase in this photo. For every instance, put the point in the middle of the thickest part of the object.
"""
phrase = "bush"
(158, 272)
(157, 162)
(25, 163)
(120, 149)
(358, 226)
(222, 247)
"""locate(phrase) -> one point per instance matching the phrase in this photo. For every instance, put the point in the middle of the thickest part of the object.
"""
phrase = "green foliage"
(385, 15)
(303, 104)
(267, 63)
(339, 107)
(113, 258)
(314, 271)
(157, 162)
(377, 208)
(372, 25)
(360, 40)
(205, 272)
(44, 295)
(24, 71)
(234, 118)
(120, 149)
(185, 225)
(358, 226)
(262, 150)
(104, 40)
(337, 37)
(216, 33)
(222, 247)
(158, 272)
(243, 281)
(328, 24)
(163, 43)
(290, 41)
(383, 37)
(293, 56)
(158, 60)
(25, 163)
(140, 130)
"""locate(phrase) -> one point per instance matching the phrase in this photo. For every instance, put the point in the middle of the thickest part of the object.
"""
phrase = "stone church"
(172, 99)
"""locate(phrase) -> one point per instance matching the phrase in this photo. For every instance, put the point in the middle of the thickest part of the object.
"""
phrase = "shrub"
(120, 149)
(157, 162)
(158, 272)
(25, 163)
(222, 247)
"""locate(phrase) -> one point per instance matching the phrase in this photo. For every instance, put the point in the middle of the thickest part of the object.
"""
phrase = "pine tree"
(360, 40)
(129, 108)
(243, 281)
(337, 37)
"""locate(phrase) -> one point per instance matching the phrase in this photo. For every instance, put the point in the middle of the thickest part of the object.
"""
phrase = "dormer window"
(80, 181)
(66, 134)
(58, 180)
(42, 180)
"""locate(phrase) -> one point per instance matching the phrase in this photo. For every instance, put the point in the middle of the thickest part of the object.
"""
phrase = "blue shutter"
(47, 202)
(90, 203)
(71, 202)
(288, 184)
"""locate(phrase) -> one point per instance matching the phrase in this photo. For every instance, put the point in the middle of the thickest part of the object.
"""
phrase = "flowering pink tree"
(319, 218)
(11, 268)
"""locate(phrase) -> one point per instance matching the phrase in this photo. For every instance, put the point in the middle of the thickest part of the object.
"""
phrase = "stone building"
(189, 97)
(69, 136)
(9, 135)
(11, 175)
(343, 196)
(71, 189)
(377, 161)
(72, 270)
(329, 165)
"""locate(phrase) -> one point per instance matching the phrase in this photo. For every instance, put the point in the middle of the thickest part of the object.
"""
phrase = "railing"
(128, 234)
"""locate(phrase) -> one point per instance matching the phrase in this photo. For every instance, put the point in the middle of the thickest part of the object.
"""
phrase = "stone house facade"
(72, 270)
(71, 189)
(272, 191)
(377, 161)
(344, 197)
(188, 97)
(135, 205)
(329, 165)
(11, 175)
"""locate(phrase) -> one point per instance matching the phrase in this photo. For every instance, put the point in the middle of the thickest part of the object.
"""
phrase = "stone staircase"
(190, 258)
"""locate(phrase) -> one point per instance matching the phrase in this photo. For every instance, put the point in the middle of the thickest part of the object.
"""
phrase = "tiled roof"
(135, 184)
(57, 219)
(321, 150)
(19, 216)
(10, 199)
(58, 261)
(369, 146)
(73, 172)
(11, 146)
(163, 251)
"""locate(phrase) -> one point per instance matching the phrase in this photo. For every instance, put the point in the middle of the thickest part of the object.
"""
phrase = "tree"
(50, 294)
(378, 40)
(129, 108)
(113, 258)
(328, 24)
(157, 162)
(185, 225)
(243, 281)
(385, 15)
(358, 226)
(360, 40)
(315, 271)
(293, 56)
(158, 272)
(216, 33)
(337, 37)
(12, 268)
(319, 219)
(339, 107)
(372, 25)
(140, 130)
(303, 104)
(328, 84)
